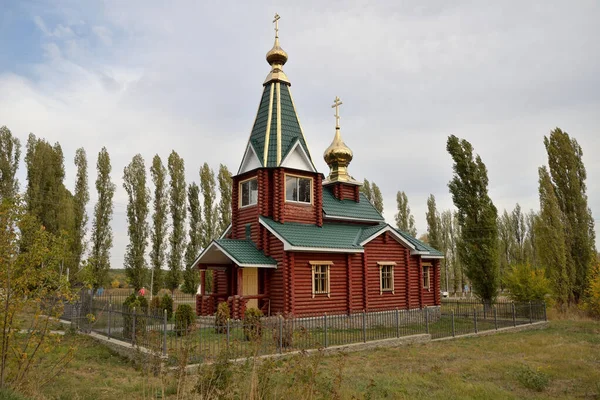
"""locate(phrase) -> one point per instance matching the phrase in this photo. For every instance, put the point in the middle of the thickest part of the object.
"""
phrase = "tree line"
(487, 250)
(169, 223)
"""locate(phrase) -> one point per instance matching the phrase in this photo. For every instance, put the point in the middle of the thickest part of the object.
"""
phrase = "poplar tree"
(225, 183)
(366, 189)
(10, 153)
(568, 177)
(530, 246)
(550, 237)
(505, 244)
(519, 233)
(477, 217)
(191, 277)
(158, 235)
(433, 223)
(404, 219)
(377, 198)
(80, 218)
(446, 246)
(177, 196)
(138, 195)
(209, 222)
(102, 238)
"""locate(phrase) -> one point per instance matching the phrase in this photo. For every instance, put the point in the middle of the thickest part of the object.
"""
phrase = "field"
(562, 361)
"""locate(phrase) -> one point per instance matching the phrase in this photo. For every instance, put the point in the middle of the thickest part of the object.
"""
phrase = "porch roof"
(240, 252)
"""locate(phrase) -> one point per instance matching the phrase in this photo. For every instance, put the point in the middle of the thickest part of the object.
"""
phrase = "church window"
(386, 277)
(298, 189)
(248, 192)
(426, 280)
(320, 277)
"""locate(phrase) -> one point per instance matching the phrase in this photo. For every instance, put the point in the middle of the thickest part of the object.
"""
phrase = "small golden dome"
(338, 152)
(277, 56)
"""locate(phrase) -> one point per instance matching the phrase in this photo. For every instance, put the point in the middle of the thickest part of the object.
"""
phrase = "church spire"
(338, 155)
(277, 57)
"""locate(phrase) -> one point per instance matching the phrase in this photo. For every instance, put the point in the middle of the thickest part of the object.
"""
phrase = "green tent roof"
(244, 252)
(363, 210)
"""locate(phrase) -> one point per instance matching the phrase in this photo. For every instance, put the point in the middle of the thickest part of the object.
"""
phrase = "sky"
(150, 76)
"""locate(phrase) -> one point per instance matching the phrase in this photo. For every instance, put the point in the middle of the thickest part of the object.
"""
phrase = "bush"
(532, 379)
(166, 303)
(184, 319)
(252, 324)
(155, 304)
(115, 283)
(140, 304)
(286, 324)
(221, 317)
(527, 284)
(591, 302)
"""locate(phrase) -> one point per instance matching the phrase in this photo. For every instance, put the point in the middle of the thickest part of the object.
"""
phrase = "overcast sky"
(151, 76)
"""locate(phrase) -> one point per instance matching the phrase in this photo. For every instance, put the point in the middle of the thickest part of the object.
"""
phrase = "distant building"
(301, 243)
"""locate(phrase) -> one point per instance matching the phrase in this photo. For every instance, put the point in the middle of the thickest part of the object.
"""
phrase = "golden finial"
(338, 155)
(277, 57)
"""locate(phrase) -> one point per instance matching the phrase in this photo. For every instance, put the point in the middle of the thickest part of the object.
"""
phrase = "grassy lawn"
(562, 361)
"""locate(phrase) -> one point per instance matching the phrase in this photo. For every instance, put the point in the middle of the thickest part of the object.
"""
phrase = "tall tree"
(138, 195)
(433, 223)
(530, 247)
(10, 153)
(404, 219)
(190, 276)
(550, 237)
(519, 232)
(477, 217)
(207, 186)
(158, 235)
(102, 238)
(377, 198)
(178, 214)
(445, 232)
(568, 176)
(80, 218)
(505, 244)
(225, 182)
(366, 189)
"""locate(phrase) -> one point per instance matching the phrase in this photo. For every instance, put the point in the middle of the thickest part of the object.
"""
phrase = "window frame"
(241, 193)
(327, 265)
(310, 178)
(426, 271)
(382, 265)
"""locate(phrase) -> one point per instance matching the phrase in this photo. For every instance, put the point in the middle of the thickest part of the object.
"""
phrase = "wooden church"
(300, 243)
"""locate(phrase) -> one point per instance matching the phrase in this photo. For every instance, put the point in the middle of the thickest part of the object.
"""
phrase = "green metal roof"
(244, 252)
(290, 126)
(364, 210)
(420, 246)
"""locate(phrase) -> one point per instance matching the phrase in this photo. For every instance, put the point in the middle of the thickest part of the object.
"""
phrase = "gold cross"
(336, 104)
(276, 21)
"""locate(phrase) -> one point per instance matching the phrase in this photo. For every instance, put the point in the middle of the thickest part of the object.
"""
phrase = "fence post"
(495, 318)
(514, 314)
(109, 315)
(280, 334)
(364, 321)
(397, 322)
(426, 319)
(453, 327)
(228, 334)
(530, 313)
(475, 318)
(545, 315)
(133, 331)
(325, 328)
(165, 332)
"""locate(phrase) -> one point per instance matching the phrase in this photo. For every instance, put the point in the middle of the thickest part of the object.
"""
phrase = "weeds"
(533, 379)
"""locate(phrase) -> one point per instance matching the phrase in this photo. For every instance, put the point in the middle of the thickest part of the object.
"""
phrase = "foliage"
(373, 194)
(155, 304)
(80, 218)
(433, 223)
(533, 379)
(190, 275)
(527, 284)
(166, 303)
(285, 338)
(135, 306)
(405, 221)
(159, 222)
(32, 286)
(477, 218)
(592, 298)
(207, 187)
(184, 319)
(225, 182)
(568, 177)
(177, 205)
(10, 153)
(102, 238)
(252, 324)
(134, 182)
(115, 283)
(366, 190)
(221, 317)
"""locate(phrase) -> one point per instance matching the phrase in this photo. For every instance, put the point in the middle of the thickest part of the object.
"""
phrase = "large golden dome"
(338, 155)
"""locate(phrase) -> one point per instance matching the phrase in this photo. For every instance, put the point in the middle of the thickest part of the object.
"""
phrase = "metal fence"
(115, 296)
(206, 339)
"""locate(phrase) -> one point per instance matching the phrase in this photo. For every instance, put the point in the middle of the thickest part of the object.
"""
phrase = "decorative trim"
(268, 130)
(380, 263)
(255, 177)
(227, 230)
(320, 262)
(327, 265)
(278, 123)
(248, 147)
(383, 264)
(306, 157)
(399, 238)
(232, 258)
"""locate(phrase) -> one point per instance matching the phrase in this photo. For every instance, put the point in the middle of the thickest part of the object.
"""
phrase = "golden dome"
(338, 155)
(277, 56)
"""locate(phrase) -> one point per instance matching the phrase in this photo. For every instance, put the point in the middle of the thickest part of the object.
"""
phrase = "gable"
(250, 160)
(297, 158)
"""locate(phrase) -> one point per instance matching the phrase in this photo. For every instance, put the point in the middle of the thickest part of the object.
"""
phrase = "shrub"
(533, 379)
(115, 283)
(166, 303)
(221, 317)
(252, 324)
(591, 303)
(140, 304)
(285, 324)
(527, 284)
(184, 319)
(155, 304)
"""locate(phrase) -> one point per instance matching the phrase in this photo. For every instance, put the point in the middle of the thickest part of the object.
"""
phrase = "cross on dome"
(276, 22)
(336, 104)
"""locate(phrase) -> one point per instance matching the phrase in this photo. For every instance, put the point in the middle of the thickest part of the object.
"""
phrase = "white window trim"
(381, 265)
(296, 201)
(428, 266)
(326, 264)
(240, 192)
